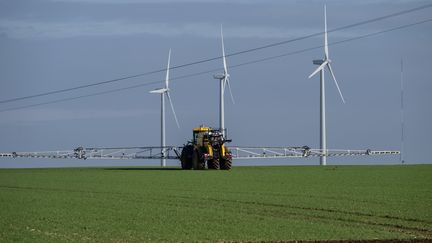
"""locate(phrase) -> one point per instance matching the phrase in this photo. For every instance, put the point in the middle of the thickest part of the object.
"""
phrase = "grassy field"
(246, 203)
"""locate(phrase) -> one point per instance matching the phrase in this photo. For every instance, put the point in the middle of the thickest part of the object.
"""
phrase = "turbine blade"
(223, 53)
(325, 33)
(318, 69)
(334, 79)
(172, 108)
(229, 88)
(168, 70)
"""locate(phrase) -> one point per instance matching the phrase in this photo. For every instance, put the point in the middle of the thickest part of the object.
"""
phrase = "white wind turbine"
(224, 80)
(163, 92)
(326, 62)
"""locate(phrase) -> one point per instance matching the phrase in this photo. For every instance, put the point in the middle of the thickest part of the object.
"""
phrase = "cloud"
(20, 29)
(160, 1)
(43, 115)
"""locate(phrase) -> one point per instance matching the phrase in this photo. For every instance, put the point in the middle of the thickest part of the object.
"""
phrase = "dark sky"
(48, 45)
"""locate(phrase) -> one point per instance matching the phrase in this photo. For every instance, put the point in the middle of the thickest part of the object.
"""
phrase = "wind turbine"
(224, 80)
(163, 92)
(326, 62)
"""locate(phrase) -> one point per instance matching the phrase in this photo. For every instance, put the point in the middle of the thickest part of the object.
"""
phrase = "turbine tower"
(326, 62)
(163, 92)
(223, 80)
(402, 152)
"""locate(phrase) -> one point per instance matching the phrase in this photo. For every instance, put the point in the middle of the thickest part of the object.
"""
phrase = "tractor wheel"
(186, 157)
(225, 164)
(213, 164)
(197, 160)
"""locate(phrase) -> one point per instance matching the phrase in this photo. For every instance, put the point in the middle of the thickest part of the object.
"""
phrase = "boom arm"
(173, 152)
(299, 152)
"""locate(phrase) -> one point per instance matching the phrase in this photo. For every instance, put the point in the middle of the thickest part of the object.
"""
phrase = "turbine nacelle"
(221, 76)
(318, 62)
(159, 91)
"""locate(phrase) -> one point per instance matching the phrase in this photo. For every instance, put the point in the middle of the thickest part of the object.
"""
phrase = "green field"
(244, 204)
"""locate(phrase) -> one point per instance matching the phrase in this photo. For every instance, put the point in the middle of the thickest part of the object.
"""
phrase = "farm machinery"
(206, 148)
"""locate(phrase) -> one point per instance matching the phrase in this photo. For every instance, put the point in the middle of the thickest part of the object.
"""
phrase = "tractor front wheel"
(225, 163)
(213, 164)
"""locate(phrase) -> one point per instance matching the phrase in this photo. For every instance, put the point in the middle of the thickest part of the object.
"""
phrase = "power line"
(215, 58)
(214, 70)
(104, 92)
(79, 97)
(332, 30)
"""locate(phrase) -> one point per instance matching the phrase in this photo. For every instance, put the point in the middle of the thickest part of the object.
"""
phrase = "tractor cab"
(201, 135)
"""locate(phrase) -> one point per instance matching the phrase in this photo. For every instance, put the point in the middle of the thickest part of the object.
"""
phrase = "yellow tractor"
(207, 147)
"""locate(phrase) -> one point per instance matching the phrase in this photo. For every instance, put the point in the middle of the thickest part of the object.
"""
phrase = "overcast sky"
(48, 45)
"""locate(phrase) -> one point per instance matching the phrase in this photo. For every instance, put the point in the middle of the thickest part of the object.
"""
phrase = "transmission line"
(215, 58)
(214, 70)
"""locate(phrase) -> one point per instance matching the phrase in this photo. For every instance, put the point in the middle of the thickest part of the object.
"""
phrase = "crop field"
(244, 204)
